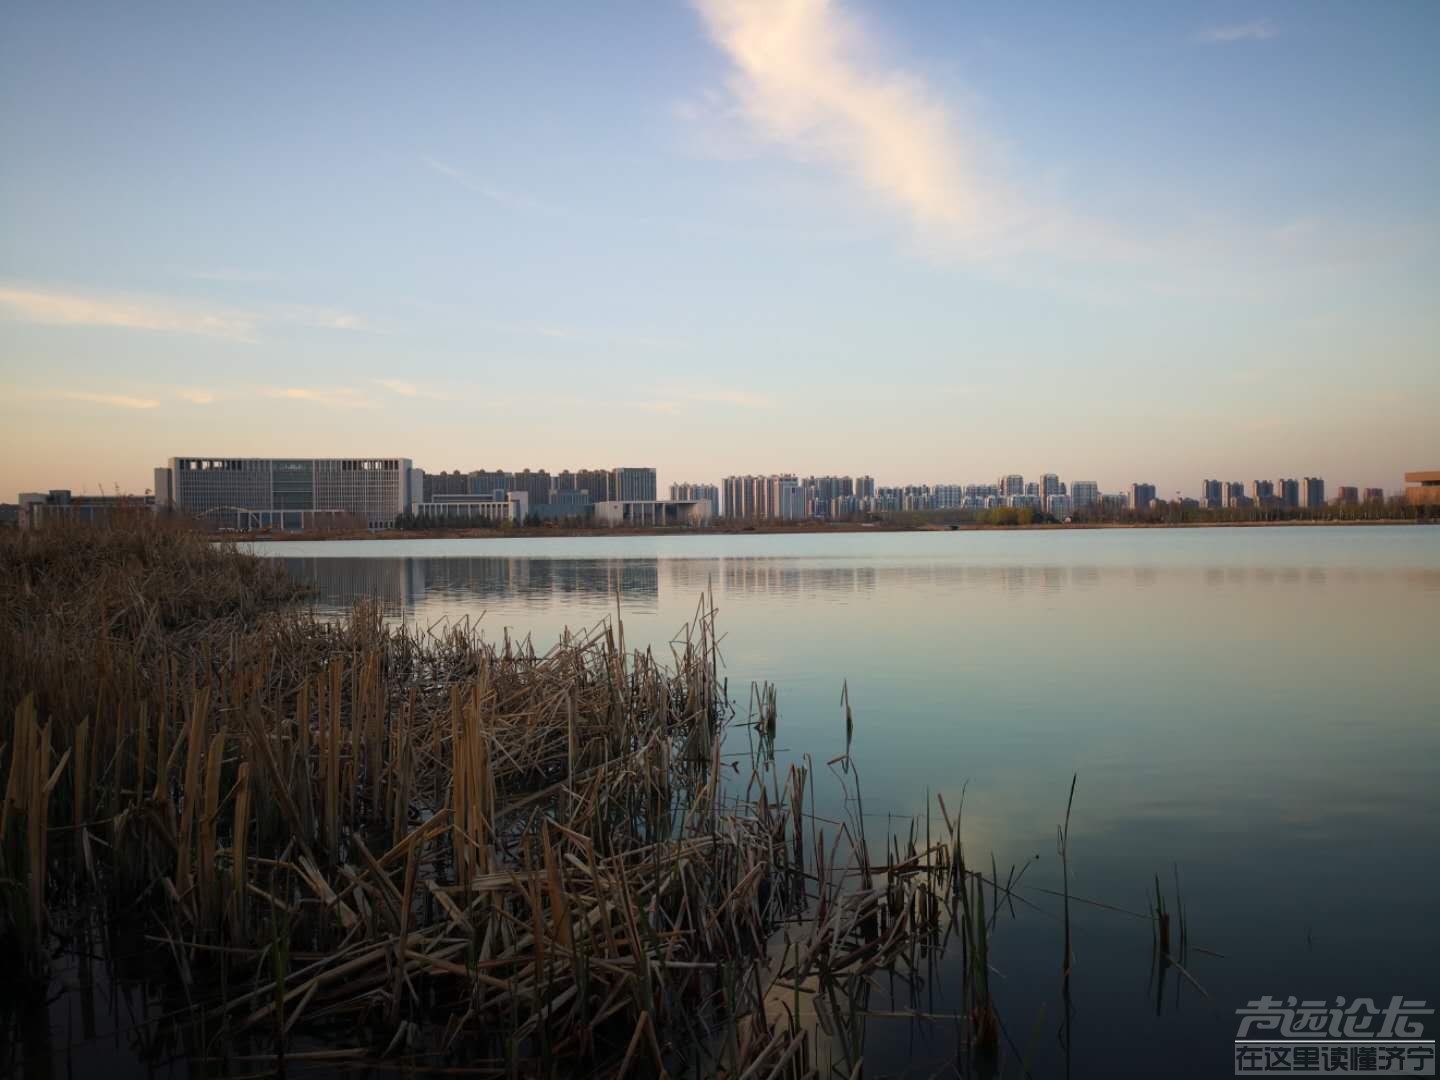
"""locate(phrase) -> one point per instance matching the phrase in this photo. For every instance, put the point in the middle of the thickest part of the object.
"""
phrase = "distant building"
(633, 484)
(1084, 494)
(1141, 496)
(1347, 496)
(1312, 492)
(1234, 497)
(281, 492)
(1287, 492)
(1212, 494)
(644, 512)
(1058, 506)
(948, 496)
(1373, 495)
(461, 510)
(36, 509)
(445, 483)
(1424, 488)
(864, 487)
(695, 492)
(1011, 484)
(1262, 491)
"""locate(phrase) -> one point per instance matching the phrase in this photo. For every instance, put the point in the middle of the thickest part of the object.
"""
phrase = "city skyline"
(933, 241)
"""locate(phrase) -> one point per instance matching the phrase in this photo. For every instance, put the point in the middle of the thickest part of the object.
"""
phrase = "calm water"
(1257, 707)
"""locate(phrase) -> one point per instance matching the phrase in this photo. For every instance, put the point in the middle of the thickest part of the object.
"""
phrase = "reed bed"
(351, 842)
(342, 843)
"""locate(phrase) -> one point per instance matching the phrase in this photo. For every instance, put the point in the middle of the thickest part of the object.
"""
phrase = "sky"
(933, 242)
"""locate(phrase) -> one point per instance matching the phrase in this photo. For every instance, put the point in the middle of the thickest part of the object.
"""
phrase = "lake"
(1255, 710)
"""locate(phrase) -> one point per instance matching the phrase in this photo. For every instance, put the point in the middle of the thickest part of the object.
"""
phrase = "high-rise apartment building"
(1234, 495)
(1262, 491)
(1141, 496)
(1287, 492)
(1084, 494)
(695, 493)
(1374, 494)
(1347, 496)
(1312, 492)
(948, 496)
(864, 487)
(1011, 484)
(1212, 495)
(634, 484)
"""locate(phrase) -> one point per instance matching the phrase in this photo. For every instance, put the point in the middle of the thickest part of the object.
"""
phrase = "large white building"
(286, 493)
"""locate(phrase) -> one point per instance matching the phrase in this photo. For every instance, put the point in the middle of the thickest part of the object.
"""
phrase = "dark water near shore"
(1259, 708)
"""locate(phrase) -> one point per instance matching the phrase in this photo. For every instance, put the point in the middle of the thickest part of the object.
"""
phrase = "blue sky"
(928, 241)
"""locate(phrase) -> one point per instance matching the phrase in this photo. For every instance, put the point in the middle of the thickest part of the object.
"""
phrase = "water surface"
(1257, 708)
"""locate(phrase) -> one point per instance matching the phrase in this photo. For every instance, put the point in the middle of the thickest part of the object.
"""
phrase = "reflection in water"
(403, 585)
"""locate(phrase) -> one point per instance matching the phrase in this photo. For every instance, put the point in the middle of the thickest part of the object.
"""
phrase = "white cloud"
(119, 401)
(409, 389)
(70, 309)
(740, 398)
(1259, 30)
(335, 397)
(196, 396)
(806, 77)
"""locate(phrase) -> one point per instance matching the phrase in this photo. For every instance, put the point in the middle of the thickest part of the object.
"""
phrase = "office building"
(287, 493)
(1312, 492)
(462, 510)
(637, 513)
(36, 509)
(1423, 488)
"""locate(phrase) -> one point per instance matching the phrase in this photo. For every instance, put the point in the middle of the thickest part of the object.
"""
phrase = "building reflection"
(403, 584)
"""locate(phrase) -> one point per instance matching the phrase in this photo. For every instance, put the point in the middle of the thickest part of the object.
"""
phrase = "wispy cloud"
(229, 275)
(72, 309)
(409, 389)
(1258, 30)
(511, 200)
(806, 77)
(739, 398)
(323, 318)
(196, 396)
(679, 399)
(334, 397)
(118, 401)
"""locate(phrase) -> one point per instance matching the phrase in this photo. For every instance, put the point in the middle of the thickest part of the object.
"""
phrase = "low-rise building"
(1423, 488)
(39, 508)
(640, 513)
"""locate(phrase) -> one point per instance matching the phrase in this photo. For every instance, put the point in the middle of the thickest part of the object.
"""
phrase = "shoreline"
(542, 533)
